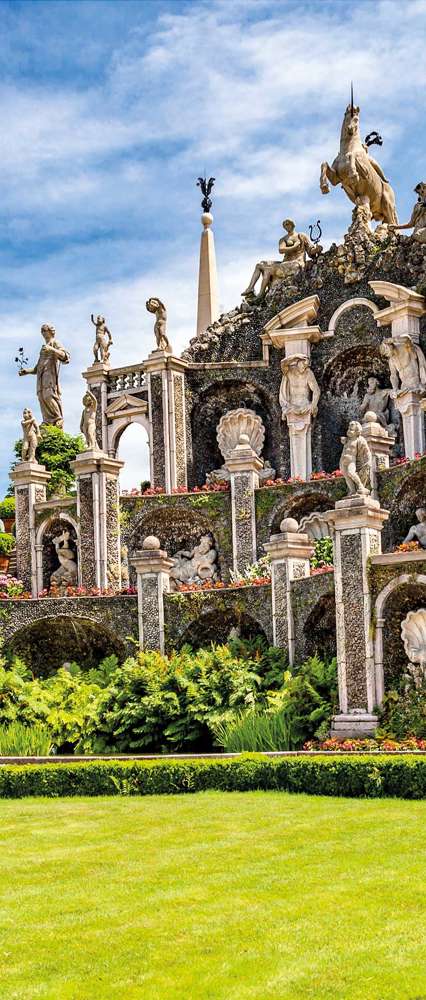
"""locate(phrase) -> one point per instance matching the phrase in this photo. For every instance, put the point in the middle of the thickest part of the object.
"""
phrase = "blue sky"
(109, 112)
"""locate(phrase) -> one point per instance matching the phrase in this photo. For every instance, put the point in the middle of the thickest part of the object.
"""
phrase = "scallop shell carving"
(317, 526)
(237, 422)
(413, 633)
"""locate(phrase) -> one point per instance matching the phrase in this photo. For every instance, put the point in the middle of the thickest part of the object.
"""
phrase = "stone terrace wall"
(208, 616)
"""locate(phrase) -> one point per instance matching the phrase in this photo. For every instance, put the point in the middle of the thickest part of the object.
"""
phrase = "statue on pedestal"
(52, 355)
(407, 363)
(417, 532)
(377, 400)
(66, 574)
(154, 305)
(418, 215)
(299, 391)
(31, 436)
(294, 248)
(103, 340)
(361, 178)
(88, 420)
(356, 461)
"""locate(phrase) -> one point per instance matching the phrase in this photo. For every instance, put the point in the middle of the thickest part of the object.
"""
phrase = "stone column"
(98, 511)
(408, 402)
(290, 552)
(208, 299)
(176, 422)
(358, 522)
(380, 443)
(243, 464)
(97, 380)
(153, 575)
(30, 480)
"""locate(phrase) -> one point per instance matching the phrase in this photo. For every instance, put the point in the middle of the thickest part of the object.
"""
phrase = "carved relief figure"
(103, 340)
(418, 215)
(294, 248)
(361, 178)
(52, 355)
(299, 391)
(377, 400)
(67, 570)
(31, 436)
(194, 566)
(154, 305)
(417, 532)
(407, 363)
(356, 460)
(88, 420)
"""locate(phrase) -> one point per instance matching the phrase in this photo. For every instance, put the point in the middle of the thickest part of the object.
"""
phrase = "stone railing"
(126, 379)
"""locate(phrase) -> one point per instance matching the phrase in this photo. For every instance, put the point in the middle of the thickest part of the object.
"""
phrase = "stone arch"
(350, 304)
(410, 495)
(210, 405)
(140, 468)
(118, 426)
(46, 560)
(404, 593)
(216, 626)
(177, 527)
(299, 505)
(44, 648)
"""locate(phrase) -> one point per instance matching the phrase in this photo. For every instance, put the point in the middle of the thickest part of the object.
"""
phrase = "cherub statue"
(377, 400)
(294, 248)
(31, 436)
(418, 215)
(407, 363)
(154, 305)
(356, 460)
(417, 532)
(67, 569)
(88, 420)
(103, 340)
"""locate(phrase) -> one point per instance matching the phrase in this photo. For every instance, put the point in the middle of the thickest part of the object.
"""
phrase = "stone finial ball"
(206, 219)
(244, 439)
(289, 524)
(151, 542)
(370, 417)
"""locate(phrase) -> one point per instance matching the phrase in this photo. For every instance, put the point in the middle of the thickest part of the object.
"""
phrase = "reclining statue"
(418, 215)
(417, 532)
(294, 248)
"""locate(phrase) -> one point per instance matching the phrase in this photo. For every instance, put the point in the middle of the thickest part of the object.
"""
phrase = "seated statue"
(294, 248)
(66, 574)
(417, 532)
(377, 400)
(195, 566)
(418, 215)
(356, 461)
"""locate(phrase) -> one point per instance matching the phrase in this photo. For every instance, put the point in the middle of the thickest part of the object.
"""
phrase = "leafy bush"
(403, 713)
(254, 731)
(7, 543)
(7, 507)
(323, 554)
(56, 451)
(367, 776)
(17, 740)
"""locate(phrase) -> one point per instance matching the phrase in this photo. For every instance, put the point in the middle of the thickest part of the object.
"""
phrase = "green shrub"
(56, 451)
(254, 731)
(369, 776)
(17, 740)
(7, 507)
(323, 554)
(7, 543)
(403, 713)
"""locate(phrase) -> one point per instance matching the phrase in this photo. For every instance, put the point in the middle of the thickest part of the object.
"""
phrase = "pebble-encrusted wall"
(210, 616)
(157, 429)
(314, 616)
(87, 540)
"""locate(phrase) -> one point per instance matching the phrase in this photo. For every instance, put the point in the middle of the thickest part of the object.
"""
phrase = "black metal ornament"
(315, 239)
(373, 139)
(20, 359)
(206, 187)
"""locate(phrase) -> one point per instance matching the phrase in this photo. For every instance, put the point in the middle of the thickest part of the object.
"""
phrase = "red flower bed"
(259, 581)
(317, 570)
(355, 746)
(328, 476)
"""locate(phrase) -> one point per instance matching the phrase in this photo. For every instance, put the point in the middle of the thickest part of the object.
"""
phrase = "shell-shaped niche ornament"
(413, 633)
(316, 526)
(237, 422)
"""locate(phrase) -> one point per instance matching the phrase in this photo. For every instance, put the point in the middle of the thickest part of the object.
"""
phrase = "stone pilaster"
(153, 575)
(98, 511)
(243, 464)
(30, 480)
(166, 394)
(408, 402)
(97, 380)
(358, 522)
(290, 552)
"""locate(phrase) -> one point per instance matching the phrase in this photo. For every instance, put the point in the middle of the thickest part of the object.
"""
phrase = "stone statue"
(103, 340)
(299, 391)
(407, 363)
(66, 574)
(52, 355)
(356, 461)
(361, 178)
(194, 566)
(31, 436)
(377, 400)
(154, 305)
(88, 420)
(413, 635)
(418, 215)
(417, 532)
(294, 248)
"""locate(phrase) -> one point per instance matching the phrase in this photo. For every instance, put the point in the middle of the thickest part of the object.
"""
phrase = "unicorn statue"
(361, 177)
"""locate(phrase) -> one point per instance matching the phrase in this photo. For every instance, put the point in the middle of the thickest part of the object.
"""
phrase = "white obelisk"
(208, 302)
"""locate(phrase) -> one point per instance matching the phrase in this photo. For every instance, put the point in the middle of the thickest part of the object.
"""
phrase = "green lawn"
(213, 897)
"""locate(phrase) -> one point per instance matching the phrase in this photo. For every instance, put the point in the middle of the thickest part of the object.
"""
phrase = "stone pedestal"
(243, 465)
(358, 522)
(30, 480)
(97, 380)
(380, 443)
(408, 402)
(290, 552)
(98, 511)
(167, 416)
(153, 575)
(299, 429)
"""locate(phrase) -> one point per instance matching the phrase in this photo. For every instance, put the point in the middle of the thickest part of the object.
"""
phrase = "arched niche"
(405, 501)
(406, 592)
(298, 506)
(320, 629)
(46, 557)
(177, 527)
(212, 404)
(46, 644)
(220, 626)
(131, 443)
(357, 303)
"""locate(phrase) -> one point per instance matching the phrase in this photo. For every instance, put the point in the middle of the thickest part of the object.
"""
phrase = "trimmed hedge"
(358, 777)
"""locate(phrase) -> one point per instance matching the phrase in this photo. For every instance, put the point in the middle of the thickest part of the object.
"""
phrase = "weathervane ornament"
(206, 187)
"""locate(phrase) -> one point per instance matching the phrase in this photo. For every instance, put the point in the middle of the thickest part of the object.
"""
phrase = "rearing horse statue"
(360, 176)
